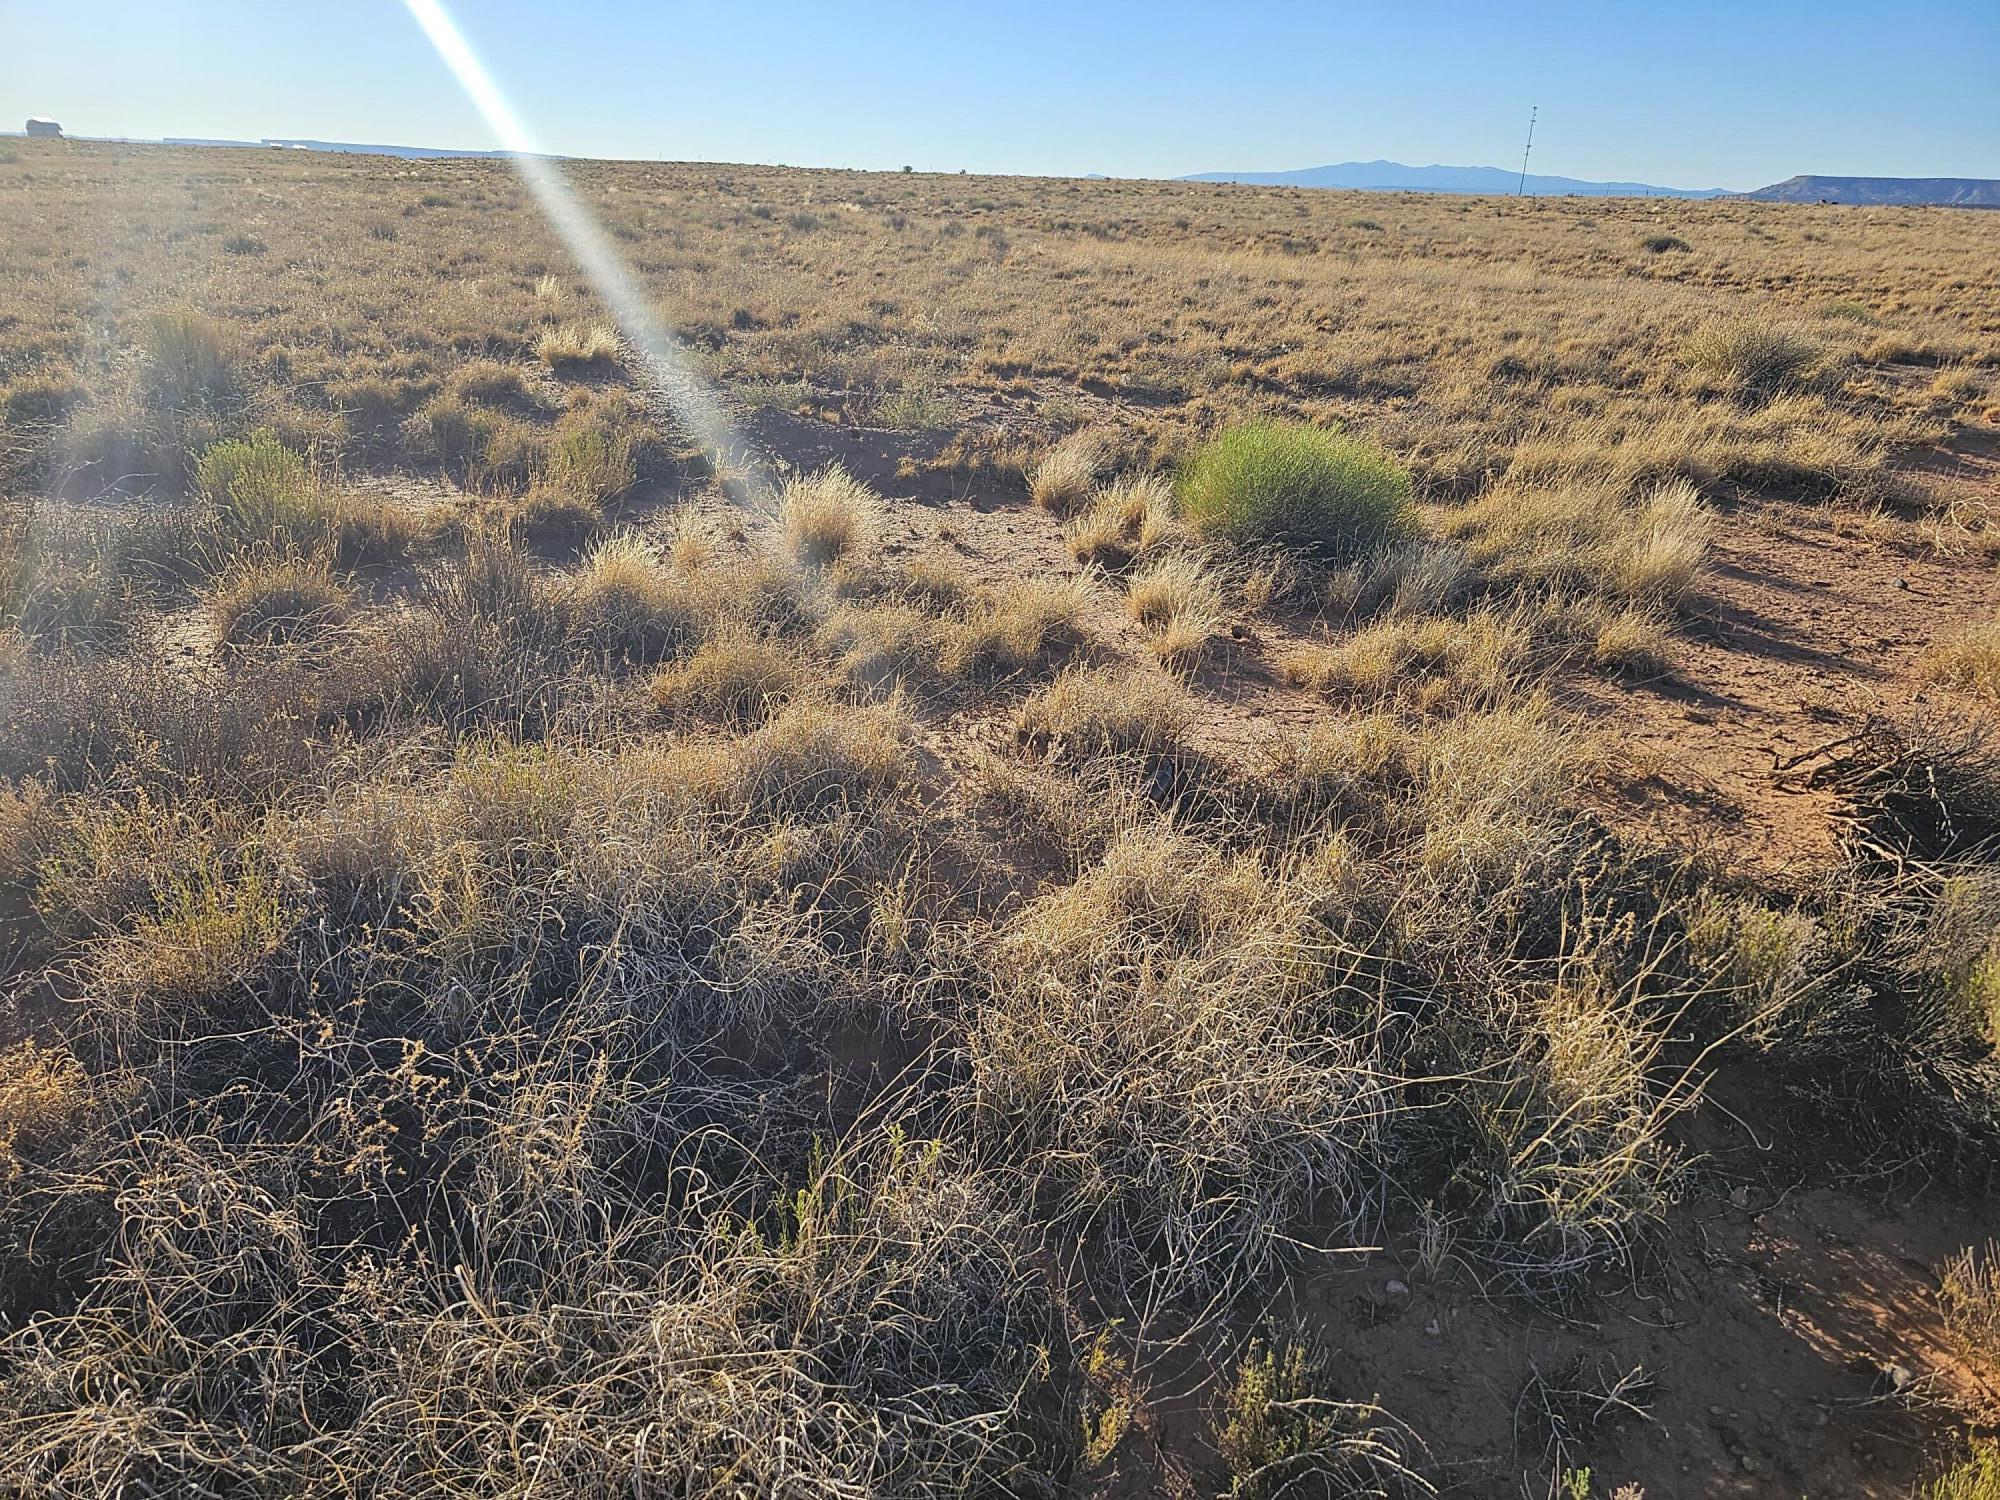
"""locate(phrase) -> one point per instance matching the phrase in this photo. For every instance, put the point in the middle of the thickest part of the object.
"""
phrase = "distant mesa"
(1395, 176)
(1907, 192)
(44, 130)
(349, 148)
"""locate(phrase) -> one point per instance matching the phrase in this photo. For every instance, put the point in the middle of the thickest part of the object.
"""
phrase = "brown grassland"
(1278, 843)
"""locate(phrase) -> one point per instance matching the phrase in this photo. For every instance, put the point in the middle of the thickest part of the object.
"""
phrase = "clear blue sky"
(1693, 94)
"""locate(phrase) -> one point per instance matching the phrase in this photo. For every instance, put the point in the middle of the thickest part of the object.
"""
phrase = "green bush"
(1300, 486)
(263, 493)
(1976, 1477)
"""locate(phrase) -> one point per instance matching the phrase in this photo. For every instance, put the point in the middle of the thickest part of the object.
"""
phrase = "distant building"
(46, 130)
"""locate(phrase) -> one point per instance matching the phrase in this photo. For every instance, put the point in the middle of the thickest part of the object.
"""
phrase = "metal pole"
(1523, 187)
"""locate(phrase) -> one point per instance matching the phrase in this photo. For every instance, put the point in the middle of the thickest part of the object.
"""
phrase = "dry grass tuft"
(1012, 628)
(827, 516)
(625, 604)
(1126, 519)
(1165, 1051)
(1180, 605)
(1062, 479)
(187, 359)
(44, 1093)
(264, 601)
(1087, 712)
(1968, 662)
(1486, 656)
(1583, 538)
(733, 679)
(1969, 1297)
(570, 348)
(1754, 358)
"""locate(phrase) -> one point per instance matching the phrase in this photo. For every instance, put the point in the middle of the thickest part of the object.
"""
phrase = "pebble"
(1396, 1289)
(1749, 1464)
(1432, 1328)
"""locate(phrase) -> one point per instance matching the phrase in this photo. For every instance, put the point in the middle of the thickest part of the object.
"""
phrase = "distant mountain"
(1955, 192)
(350, 148)
(1394, 176)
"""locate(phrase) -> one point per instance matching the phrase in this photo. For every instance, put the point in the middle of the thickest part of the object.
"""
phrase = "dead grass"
(1969, 1296)
(1754, 358)
(1086, 713)
(1062, 479)
(828, 516)
(1128, 518)
(732, 679)
(663, 1016)
(570, 348)
(625, 603)
(274, 601)
(1968, 662)
(1008, 629)
(1585, 538)
(1179, 604)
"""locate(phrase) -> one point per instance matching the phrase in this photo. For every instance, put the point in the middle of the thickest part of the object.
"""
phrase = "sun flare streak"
(665, 364)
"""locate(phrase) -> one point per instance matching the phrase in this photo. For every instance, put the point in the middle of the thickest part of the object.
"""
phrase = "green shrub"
(1301, 486)
(263, 493)
(1976, 1477)
(1281, 1434)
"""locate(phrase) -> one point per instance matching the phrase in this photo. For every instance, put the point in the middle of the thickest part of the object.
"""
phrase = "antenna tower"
(1523, 186)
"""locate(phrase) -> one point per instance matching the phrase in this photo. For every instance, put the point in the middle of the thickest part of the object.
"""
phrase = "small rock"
(1432, 1328)
(1749, 1464)
(1819, 1416)
(1396, 1289)
(1715, 1411)
(1740, 1195)
(1902, 583)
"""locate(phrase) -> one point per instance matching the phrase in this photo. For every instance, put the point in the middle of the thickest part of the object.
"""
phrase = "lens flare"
(665, 364)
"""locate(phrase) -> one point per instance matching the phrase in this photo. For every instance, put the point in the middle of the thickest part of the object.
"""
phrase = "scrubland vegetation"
(526, 976)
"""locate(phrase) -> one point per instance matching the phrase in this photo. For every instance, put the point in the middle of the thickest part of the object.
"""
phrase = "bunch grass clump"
(1754, 358)
(733, 678)
(827, 516)
(1061, 480)
(1583, 538)
(1166, 1051)
(1298, 486)
(1091, 711)
(275, 600)
(1967, 662)
(187, 359)
(1179, 604)
(574, 348)
(1009, 629)
(1126, 519)
(624, 603)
